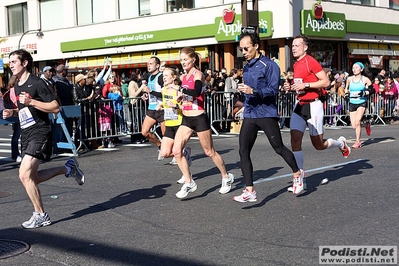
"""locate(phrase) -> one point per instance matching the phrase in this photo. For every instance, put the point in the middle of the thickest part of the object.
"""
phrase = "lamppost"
(38, 34)
(250, 18)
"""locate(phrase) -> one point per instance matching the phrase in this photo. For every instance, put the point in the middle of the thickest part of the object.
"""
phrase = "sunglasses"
(244, 48)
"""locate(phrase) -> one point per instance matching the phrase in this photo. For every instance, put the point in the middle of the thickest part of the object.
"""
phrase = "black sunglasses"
(244, 48)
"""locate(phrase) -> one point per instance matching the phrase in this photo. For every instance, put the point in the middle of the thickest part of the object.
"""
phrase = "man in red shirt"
(309, 78)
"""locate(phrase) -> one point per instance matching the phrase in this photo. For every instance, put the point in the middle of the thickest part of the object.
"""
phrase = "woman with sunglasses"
(261, 86)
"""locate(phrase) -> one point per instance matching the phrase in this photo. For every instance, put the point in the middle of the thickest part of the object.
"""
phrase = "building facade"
(85, 33)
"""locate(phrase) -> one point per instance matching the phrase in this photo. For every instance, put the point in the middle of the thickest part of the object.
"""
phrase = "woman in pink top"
(195, 119)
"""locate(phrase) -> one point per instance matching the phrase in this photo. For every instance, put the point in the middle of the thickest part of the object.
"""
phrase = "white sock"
(299, 158)
(332, 143)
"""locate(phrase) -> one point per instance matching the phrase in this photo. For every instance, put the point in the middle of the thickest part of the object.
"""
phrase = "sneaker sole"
(299, 193)
(80, 172)
(42, 225)
(243, 201)
(82, 180)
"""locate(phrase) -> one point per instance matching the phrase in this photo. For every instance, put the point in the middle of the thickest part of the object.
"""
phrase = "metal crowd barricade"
(95, 114)
(336, 108)
(219, 107)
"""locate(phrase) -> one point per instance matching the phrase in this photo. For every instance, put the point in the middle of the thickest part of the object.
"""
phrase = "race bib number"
(25, 118)
(170, 114)
(152, 102)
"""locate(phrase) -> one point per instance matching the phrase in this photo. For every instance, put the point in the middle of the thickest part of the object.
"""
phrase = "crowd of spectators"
(116, 111)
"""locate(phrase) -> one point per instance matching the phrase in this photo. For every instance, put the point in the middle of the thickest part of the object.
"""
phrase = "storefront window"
(145, 8)
(394, 4)
(50, 18)
(362, 2)
(177, 5)
(127, 9)
(17, 18)
(324, 53)
(90, 11)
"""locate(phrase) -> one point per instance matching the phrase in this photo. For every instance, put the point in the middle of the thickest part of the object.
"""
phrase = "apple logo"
(317, 10)
(228, 15)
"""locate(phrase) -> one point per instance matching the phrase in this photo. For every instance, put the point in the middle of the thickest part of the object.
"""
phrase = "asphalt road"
(127, 212)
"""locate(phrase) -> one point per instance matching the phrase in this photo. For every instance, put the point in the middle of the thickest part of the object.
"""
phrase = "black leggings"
(248, 135)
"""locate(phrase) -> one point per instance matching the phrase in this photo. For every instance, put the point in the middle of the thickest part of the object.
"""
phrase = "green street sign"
(330, 25)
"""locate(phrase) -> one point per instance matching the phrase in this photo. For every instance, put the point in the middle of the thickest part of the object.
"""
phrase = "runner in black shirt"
(35, 101)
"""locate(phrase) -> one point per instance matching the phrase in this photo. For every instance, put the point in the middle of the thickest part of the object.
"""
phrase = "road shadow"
(121, 200)
(313, 180)
(90, 251)
(371, 141)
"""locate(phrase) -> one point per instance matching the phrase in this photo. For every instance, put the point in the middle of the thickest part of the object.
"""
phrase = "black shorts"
(39, 146)
(197, 123)
(353, 107)
(156, 115)
(170, 132)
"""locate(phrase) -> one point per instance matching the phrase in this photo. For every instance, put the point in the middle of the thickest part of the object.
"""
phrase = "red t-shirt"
(306, 69)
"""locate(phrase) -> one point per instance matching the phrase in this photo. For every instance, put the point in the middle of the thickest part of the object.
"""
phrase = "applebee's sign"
(228, 15)
(228, 32)
(330, 25)
(317, 10)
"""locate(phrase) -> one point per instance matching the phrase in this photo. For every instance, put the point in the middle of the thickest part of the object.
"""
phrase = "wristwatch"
(307, 86)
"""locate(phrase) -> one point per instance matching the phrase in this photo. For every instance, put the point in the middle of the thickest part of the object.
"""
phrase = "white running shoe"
(74, 171)
(246, 196)
(324, 181)
(185, 189)
(182, 180)
(187, 154)
(160, 157)
(173, 162)
(226, 184)
(298, 183)
(346, 151)
(37, 220)
(305, 187)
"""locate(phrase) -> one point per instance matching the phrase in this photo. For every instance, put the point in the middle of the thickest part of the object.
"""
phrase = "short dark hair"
(252, 35)
(157, 61)
(24, 55)
(304, 38)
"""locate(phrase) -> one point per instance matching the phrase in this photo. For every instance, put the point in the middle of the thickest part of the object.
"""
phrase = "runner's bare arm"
(47, 107)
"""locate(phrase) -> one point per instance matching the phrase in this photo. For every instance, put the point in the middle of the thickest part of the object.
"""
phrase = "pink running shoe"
(357, 145)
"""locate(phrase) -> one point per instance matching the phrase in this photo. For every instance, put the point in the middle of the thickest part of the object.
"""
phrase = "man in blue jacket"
(261, 80)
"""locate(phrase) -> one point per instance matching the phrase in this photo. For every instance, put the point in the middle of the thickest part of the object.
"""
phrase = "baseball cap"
(46, 68)
(79, 77)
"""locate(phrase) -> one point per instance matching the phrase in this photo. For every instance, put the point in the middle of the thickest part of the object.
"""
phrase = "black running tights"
(248, 135)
